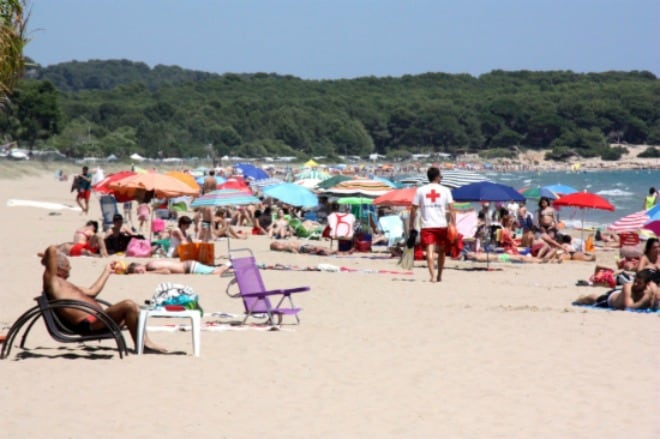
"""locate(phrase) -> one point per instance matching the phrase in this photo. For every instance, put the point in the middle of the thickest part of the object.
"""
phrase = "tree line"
(97, 108)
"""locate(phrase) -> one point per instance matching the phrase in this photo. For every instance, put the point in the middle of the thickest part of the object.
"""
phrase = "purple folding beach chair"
(256, 298)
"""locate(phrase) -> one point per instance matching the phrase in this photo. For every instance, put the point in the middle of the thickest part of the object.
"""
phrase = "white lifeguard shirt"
(433, 201)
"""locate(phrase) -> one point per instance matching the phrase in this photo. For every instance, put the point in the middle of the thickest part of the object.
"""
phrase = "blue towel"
(642, 311)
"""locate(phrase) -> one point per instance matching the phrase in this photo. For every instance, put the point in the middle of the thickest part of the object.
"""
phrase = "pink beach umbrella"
(629, 223)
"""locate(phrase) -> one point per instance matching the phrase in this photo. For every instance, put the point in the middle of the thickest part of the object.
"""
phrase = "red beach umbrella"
(584, 200)
(397, 197)
(102, 186)
(236, 183)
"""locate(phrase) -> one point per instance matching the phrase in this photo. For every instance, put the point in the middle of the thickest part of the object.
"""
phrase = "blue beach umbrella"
(561, 189)
(292, 194)
(251, 172)
(486, 191)
(224, 197)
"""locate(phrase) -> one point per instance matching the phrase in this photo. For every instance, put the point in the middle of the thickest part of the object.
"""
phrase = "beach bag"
(169, 294)
(139, 248)
(603, 276)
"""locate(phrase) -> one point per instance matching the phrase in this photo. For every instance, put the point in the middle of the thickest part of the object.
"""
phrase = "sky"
(343, 39)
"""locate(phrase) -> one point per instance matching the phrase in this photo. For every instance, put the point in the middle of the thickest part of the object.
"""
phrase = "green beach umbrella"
(353, 201)
(333, 181)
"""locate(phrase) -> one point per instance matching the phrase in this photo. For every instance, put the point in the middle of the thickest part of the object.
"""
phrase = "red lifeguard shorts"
(436, 235)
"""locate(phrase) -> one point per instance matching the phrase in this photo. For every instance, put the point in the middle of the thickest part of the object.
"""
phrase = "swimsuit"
(199, 268)
(206, 224)
(77, 249)
(84, 326)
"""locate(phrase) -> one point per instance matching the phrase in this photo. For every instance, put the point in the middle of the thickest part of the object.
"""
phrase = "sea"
(625, 189)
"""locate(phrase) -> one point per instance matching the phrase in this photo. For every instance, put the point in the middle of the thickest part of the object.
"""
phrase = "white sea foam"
(614, 193)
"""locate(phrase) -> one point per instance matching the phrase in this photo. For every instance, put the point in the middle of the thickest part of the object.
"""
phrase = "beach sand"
(483, 354)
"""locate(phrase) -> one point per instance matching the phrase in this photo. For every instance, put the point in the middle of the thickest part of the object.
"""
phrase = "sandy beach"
(492, 354)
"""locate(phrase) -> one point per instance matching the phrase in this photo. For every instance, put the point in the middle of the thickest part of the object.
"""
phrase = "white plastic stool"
(192, 314)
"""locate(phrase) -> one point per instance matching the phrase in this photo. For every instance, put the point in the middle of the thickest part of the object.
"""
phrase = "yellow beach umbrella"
(184, 177)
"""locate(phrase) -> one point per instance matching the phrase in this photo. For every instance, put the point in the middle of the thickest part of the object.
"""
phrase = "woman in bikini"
(547, 215)
(86, 242)
(222, 228)
(279, 229)
(179, 236)
(650, 258)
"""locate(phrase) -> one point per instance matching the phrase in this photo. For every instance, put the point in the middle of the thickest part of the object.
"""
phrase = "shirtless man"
(206, 213)
(56, 286)
(175, 267)
(642, 293)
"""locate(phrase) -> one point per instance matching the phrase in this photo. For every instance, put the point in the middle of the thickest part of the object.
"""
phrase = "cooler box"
(203, 252)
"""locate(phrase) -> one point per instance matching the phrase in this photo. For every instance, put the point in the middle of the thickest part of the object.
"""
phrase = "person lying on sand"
(293, 246)
(569, 253)
(504, 257)
(56, 286)
(86, 242)
(171, 267)
(642, 293)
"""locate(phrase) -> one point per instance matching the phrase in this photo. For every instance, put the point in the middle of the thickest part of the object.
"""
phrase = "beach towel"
(640, 311)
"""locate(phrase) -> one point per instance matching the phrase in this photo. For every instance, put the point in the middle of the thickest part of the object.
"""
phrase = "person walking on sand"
(436, 207)
(56, 286)
(84, 189)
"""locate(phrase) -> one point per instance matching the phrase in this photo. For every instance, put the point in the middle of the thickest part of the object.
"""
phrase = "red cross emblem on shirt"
(433, 195)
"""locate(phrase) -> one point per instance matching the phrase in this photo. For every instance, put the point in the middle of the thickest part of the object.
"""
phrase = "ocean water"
(623, 189)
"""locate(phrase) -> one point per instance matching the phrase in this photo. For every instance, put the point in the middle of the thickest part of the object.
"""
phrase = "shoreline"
(528, 161)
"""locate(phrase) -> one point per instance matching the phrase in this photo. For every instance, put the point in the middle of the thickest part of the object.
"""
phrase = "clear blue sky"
(330, 39)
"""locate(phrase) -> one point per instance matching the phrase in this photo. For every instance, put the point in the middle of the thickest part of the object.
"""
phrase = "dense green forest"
(98, 108)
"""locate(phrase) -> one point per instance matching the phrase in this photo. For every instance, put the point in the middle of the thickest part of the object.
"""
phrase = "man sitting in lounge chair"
(174, 267)
(56, 286)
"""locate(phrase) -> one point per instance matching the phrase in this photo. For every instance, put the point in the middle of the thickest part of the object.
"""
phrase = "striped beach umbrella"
(312, 174)
(455, 178)
(367, 188)
(629, 223)
(224, 197)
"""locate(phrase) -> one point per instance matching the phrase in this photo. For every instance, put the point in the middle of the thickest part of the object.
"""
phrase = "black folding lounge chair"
(58, 329)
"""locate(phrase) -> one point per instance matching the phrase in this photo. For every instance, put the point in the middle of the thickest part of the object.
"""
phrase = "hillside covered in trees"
(98, 108)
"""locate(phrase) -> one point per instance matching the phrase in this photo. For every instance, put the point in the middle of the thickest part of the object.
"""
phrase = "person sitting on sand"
(174, 267)
(86, 242)
(56, 286)
(293, 246)
(642, 293)
(279, 229)
(119, 235)
(179, 236)
(650, 259)
(222, 228)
